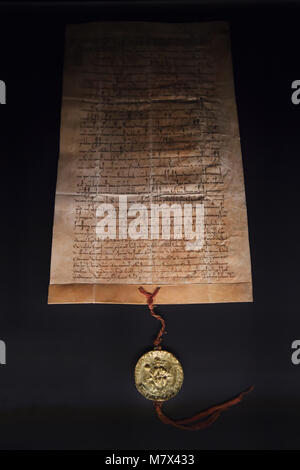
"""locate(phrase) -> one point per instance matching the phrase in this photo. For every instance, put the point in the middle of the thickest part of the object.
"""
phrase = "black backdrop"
(68, 382)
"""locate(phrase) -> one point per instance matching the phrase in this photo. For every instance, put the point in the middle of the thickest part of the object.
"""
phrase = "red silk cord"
(204, 418)
(150, 303)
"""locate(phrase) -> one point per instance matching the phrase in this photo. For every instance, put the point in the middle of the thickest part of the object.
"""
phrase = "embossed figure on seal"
(158, 375)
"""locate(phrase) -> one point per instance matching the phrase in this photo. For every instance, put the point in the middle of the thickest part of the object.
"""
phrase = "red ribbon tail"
(204, 418)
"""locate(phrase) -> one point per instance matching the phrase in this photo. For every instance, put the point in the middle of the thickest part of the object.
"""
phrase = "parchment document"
(150, 187)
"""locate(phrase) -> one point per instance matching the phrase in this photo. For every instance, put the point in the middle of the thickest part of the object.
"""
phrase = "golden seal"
(158, 375)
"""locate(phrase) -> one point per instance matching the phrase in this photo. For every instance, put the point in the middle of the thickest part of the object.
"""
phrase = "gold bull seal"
(158, 375)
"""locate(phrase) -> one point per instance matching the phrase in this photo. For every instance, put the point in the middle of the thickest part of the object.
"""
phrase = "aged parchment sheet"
(149, 114)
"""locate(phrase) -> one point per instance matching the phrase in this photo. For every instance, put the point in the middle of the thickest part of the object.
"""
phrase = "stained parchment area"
(149, 114)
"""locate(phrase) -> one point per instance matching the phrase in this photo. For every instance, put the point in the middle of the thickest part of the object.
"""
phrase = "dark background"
(68, 382)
